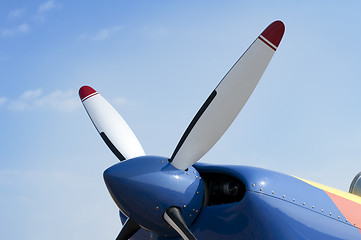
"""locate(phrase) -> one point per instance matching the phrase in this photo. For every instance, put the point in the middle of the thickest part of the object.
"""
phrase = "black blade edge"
(176, 218)
(129, 229)
(112, 147)
(193, 123)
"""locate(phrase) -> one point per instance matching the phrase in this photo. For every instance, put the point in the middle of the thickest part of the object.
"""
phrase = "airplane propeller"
(165, 195)
(112, 128)
(174, 217)
(129, 229)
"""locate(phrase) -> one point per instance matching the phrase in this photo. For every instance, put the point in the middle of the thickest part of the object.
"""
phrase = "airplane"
(177, 198)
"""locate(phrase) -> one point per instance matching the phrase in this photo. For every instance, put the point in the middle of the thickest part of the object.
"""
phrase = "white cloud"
(20, 29)
(48, 5)
(16, 13)
(103, 34)
(7, 32)
(59, 100)
(64, 101)
(106, 33)
(23, 28)
(155, 33)
(31, 94)
(3, 100)
(82, 36)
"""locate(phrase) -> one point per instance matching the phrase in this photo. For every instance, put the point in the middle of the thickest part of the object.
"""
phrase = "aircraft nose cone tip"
(274, 32)
(108, 175)
(86, 91)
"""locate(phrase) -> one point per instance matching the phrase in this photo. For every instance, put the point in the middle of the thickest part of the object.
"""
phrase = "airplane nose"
(116, 182)
(122, 186)
(111, 175)
(144, 188)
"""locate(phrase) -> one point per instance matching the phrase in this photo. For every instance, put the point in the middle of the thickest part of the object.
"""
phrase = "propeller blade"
(174, 217)
(112, 128)
(129, 229)
(227, 99)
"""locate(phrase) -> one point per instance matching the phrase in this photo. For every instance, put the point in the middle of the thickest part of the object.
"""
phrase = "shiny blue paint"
(261, 216)
(144, 187)
(281, 186)
(275, 206)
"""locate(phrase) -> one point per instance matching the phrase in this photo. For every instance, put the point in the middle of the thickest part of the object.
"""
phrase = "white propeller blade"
(227, 100)
(111, 126)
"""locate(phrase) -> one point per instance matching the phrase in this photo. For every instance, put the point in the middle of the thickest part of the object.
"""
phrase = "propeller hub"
(145, 187)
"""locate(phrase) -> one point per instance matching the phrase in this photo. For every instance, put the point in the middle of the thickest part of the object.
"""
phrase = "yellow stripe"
(335, 191)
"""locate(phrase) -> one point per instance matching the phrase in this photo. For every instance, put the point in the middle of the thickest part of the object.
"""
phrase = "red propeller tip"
(86, 92)
(274, 32)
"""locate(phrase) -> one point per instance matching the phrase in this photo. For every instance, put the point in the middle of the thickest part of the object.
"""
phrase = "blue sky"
(157, 62)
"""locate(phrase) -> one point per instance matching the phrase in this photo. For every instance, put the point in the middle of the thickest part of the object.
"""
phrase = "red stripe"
(89, 96)
(274, 32)
(267, 43)
(85, 91)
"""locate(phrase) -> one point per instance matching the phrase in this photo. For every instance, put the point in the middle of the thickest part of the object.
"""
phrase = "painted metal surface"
(348, 204)
(275, 206)
(144, 188)
(285, 207)
(227, 99)
(112, 127)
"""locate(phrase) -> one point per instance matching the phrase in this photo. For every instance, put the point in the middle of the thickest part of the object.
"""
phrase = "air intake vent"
(222, 189)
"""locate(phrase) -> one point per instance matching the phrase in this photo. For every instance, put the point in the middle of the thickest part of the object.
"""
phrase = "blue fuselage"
(273, 206)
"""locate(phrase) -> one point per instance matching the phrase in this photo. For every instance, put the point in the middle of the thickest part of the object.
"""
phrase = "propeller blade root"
(128, 230)
(174, 217)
